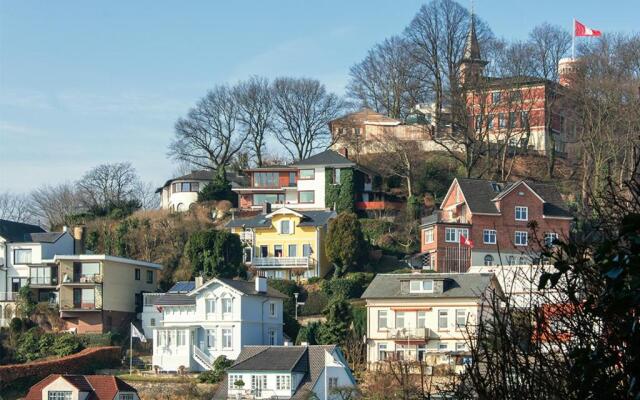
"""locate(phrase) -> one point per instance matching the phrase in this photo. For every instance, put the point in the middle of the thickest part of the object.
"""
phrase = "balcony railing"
(94, 278)
(408, 334)
(43, 281)
(246, 236)
(280, 262)
(81, 306)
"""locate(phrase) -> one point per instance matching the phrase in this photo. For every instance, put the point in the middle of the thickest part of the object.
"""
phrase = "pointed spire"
(471, 47)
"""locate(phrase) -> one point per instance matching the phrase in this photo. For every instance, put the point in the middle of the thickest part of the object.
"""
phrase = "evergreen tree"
(346, 245)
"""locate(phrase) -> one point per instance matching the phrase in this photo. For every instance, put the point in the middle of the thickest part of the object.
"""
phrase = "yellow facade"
(270, 242)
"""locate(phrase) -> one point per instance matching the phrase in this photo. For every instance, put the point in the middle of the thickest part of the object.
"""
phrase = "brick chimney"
(199, 281)
(78, 239)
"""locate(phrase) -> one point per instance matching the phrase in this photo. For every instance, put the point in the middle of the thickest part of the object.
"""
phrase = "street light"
(297, 304)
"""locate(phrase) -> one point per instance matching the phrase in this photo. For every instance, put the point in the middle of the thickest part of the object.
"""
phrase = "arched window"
(488, 260)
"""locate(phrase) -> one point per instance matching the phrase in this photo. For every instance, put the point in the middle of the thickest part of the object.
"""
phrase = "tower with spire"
(472, 64)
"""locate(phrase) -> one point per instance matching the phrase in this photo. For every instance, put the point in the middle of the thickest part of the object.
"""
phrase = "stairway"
(201, 358)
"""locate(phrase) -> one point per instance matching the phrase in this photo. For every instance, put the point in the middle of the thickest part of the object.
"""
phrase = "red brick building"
(495, 216)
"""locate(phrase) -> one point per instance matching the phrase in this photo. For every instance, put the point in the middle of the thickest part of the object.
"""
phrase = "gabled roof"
(99, 387)
(175, 299)
(479, 194)
(284, 211)
(17, 231)
(327, 157)
(242, 286)
(45, 237)
(309, 218)
(389, 286)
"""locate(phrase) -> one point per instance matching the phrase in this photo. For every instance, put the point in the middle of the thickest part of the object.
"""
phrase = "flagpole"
(573, 40)
(131, 349)
(459, 252)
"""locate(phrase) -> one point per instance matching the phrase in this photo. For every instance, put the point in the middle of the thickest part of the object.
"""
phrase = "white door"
(258, 384)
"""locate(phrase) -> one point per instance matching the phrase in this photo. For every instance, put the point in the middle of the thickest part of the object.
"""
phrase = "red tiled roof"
(100, 387)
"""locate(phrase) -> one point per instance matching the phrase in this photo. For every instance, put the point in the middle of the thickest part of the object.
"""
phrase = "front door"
(258, 384)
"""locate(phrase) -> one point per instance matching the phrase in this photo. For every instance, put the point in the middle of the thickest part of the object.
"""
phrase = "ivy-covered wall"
(341, 195)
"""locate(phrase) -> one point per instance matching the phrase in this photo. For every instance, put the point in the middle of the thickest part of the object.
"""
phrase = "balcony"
(415, 334)
(149, 299)
(246, 236)
(280, 262)
(36, 281)
(79, 279)
(93, 306)
(439, 216)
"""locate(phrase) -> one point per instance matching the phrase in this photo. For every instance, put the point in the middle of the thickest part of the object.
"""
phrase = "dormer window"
(285, 227)
(421, 286)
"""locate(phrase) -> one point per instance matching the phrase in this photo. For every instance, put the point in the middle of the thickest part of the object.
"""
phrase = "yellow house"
(285, 244)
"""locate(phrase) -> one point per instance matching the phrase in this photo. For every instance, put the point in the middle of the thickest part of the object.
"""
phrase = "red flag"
(583, 30)
(466, 241)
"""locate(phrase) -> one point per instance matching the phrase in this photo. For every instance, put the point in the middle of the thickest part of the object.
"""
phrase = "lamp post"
(297, 303)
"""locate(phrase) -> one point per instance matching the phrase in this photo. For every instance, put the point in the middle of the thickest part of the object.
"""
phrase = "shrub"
(313, 280)
(28, 346)
(99, 339)
(218, 189)
(315, 303)
(222, 363)
(16, 325)
(309, 334)
(66, 344)
(215, 375)
(373, 229)
(349, 287)
(214, 253)
(345, 244)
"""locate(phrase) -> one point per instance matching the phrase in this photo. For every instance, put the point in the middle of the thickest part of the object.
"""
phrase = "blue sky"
(84, 83)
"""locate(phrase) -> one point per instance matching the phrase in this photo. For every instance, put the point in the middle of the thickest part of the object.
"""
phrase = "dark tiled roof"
(45, 237)
(327, 157)
(175, 299)
(182, 287)
(249, 287)
(479, 194)
(207, 175)
(554, 206)
(388, 286)
(316, 366)
(311, 218)
(17, 231)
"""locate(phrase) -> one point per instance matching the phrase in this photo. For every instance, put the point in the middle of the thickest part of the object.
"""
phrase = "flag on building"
(580, 29)
(137, 334)
(466, 241)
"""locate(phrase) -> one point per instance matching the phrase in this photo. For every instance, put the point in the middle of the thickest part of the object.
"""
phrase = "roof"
(327, 157)
(99, 387)
(182, 287)
(175, 299)
(105, 257)
(207, 175)
(45, 237)
(388, 286)
(307, 359)
(369, 116)
(517, 80)
(177, 296)
(471, 46)
(309, 218)
(13, 231)
(245, 287)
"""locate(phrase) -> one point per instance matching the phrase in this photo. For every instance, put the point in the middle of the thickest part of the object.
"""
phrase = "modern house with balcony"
(425, 317)
(496, 216)
(315, 183)
(287, 372)
(215, 318)
(285, 243)
(24, 251)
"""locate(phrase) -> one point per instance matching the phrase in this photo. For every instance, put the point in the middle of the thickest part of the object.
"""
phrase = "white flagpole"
(573, 40)
(131, 349)
(459, 253)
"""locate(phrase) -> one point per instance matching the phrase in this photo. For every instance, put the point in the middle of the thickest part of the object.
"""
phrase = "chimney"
(344, 152)
(65, 228)
(306, 344)
(261, 284)
(266, 208)
(199, 281)
(78, 238)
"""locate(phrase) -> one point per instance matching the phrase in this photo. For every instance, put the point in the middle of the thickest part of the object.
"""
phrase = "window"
(307, 196)
(149, 276)
(382, 351)
(210, 306)
(226, 338)
(232, 381)
(549, 238)
(335, 179)
(489, 236)
(333, 383)
(399, 319)
(421, 286)
(283, 382)
(180, 338)
(292, 178)
(522, 213)
(512, 119)
(522, 238)
(478, 122)
(273, 198)
(272, 309)
(152, 322)
(488, 260)
(277, 250)
(186, 187)
(22, 256)
(83, 298)
(126, 396)
(293, 250)
(356, 131)
(211, 338)
(495, 97)
(285, 227)
(382, 319)
(461, 346)
(524, 119)
(42, 275)
(421, 319)
(59, 395)
(443, 319)
(490, 121)
(502, 122)
(266, 179)
(264, 251)
(443, 346)
(516, 95)
(452, 235)
(161, 338)
(307, 174)
(306, 250)
(226, 306)
(428, 235)
(272, 337)
(422, 351)
(461, 318)
(137, 274)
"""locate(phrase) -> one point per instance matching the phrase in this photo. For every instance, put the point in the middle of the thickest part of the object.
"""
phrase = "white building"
(415, 316)
(287, 372)
(178, 194)
(151, 316)
(216, 319)
(23, 251)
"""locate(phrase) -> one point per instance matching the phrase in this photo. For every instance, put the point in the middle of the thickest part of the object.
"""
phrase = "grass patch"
(162, 378)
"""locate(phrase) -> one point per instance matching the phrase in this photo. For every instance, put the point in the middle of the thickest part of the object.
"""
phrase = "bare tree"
(208, 137)
(145, 192)
(56, 204)
(548, 44)
(387, 79)
(15, 207)
(108, 184)
(254, 102)
(303, 109)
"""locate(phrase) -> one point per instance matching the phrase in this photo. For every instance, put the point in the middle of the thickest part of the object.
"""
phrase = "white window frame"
(461, 318)
(488, 235)
(385, 318)
(272, 309)
(382, 351)
(456, 234)
(22, 260)
(421, 319)
(443, 346)
(518, 236)
(227, 334)
(519, 211)
(421, 286)
(181, 338)
(445, 314)
(211, 334)
(428, 235)
(549, 237)
(232, 381)
(60, 395)
(210, 306)
(488, 260)
(461, 346)
(126, 396)
(227, 301)
(273, 337)
(332, 382)
(400, 319)
(283, 382)
(287, 224)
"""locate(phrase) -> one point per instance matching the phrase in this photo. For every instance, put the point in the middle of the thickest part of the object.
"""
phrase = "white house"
(23, 251)
(151, 316)
(287, 372)
(178, 194)
(420, 315)
(215, 319)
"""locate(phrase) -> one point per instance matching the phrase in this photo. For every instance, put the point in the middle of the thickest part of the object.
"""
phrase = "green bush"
(28, 346)
(16, 325)
(345, 244)
(215, 375)
(313, 280)
(309, 334)
(374, 229)
(315, 303)
(222, 363)
(218, 189)
(100, 339)
(350, 287)
(66, 344)
(214, 253)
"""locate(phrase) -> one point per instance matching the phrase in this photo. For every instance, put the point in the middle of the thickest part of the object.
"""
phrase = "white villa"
(287, 372)
(216, 318)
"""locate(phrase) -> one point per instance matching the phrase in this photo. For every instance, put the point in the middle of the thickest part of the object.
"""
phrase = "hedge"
(314, 304)
(350, 287)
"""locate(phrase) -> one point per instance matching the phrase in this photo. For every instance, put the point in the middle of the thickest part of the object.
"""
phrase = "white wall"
(317, 184)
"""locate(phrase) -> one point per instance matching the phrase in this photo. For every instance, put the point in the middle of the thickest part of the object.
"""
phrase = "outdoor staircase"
(202, 358)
